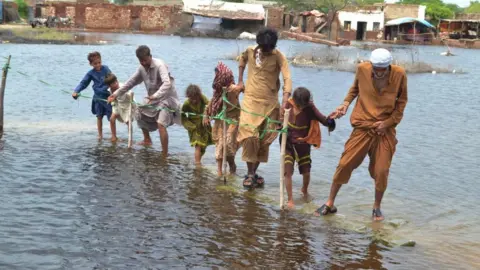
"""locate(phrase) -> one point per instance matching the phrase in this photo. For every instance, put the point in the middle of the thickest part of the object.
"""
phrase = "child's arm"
(328, 122)
(189, 125)
(82, 85)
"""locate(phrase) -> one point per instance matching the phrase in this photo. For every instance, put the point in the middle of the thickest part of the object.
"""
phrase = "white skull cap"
(381, 58)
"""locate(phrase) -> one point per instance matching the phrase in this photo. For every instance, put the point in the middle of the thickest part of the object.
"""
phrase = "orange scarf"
(314, 136)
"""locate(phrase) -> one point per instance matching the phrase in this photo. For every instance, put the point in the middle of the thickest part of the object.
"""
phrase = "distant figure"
(161, 109)
(200, 135)
(303, 132)
(224, 78)
(120, 107)
(100, 107)
(264, 63)
(381, 92)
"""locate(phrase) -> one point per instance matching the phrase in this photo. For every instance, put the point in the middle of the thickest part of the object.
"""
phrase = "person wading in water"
(381, 92)
(264, 63)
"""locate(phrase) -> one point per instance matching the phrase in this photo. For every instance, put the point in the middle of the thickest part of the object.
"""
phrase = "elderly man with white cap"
(381, 92)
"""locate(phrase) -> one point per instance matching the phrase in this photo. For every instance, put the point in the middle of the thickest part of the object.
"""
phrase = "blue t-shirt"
(100, 89)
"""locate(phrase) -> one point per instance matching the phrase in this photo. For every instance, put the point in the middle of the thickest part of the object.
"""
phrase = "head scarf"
(381, 58)
(223, 78)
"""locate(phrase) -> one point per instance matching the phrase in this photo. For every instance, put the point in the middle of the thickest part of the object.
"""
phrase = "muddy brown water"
(70, 202)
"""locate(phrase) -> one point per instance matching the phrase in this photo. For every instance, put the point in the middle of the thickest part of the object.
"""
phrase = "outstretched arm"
(83, 83)
(136, 79)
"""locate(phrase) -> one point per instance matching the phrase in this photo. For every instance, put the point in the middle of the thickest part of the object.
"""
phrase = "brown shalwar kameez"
(373, 105)
(261, 98)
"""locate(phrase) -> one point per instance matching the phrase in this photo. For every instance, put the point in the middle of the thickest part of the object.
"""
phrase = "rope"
(220, 116)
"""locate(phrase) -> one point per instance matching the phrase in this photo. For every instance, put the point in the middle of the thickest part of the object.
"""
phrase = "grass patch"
(43, 34)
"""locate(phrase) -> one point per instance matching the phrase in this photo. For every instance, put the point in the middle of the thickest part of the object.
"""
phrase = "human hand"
(380, 127)
(206, 121)
(75, 95)
(111, 99)
(236, 88)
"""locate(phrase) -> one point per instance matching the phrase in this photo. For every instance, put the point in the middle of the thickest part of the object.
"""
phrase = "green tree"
(473, 8)
(436, 9)
(22, 8)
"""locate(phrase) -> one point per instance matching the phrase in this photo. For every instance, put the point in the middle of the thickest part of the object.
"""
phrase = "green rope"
(220, 116)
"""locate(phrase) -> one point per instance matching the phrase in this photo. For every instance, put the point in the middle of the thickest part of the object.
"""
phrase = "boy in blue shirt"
(100, 107)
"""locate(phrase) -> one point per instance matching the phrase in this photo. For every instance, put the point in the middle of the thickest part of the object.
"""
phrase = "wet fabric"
(299, 153)
(161, 89)
(380, 150)
(231, 140)
(223, 78)
(256, 149)
(198, 134)
(303, 124)
(372, 106)
(386, 105)
(261, 89)
(121, 107)
(101, 108)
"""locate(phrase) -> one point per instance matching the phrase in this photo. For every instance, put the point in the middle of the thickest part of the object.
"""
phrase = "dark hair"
(193, 90)
(302, 97)
(267, 39)
(143, 51)
(93, 55)
(110, 78)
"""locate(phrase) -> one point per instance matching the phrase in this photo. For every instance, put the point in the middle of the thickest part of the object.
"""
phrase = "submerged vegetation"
(43, 34)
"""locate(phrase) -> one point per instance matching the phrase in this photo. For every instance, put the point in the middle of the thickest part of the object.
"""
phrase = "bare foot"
(99, 137)
(377, 215)
(198, 164)
(233, 169)
(306, 196)
(114, 139)
(145, 143)
(290, 204)
(219, 173)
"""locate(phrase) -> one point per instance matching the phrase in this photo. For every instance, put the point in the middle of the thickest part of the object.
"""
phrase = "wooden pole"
(282, 157)
(224, 108)
(130, 130)
(2, 92)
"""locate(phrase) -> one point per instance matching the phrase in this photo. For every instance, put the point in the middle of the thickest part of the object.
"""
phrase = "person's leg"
(232, 165)
(113, 127)
(99, 127)
(198, 155)
(304, 165)
(306, 183)
(163, 138)
(356, 149)
(219, 167)
(250, 148)
(147, 141)
(381, 154)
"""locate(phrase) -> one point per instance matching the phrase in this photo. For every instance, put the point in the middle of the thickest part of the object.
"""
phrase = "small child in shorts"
(121, 106)
(100, 107)
(303, 131)
(192, 119)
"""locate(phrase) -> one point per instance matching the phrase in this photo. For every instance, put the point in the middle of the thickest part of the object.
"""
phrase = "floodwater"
(70, 202)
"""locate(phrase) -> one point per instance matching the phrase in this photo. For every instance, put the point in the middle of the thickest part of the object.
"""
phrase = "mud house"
(215, 16)
(361, 23)
(459, 29)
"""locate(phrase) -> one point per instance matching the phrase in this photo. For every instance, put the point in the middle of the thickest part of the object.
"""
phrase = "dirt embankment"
(24, 34)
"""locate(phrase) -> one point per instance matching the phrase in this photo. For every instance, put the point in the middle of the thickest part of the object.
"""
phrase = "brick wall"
(468, 16)
(274, 17)
(396, 11)
(112, 17)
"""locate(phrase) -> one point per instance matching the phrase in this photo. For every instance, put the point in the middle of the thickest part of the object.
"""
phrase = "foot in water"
(306, 196)
(114, 139)
(233, 169)
(290, 204)
(145, 143)
(249, 182)
(377, 215)
(325, 210)
(99, 137)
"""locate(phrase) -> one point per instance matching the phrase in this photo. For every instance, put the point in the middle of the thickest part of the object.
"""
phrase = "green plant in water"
(43, 34)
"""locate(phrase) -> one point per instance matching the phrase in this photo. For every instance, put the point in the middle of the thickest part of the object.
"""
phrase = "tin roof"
(408, 20)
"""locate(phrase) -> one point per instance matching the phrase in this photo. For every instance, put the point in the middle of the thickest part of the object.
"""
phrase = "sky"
(461, 3)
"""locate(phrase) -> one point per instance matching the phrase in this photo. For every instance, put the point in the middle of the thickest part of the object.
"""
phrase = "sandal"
(325, 210)
(249, 182)
(259, 180)
(376, 213)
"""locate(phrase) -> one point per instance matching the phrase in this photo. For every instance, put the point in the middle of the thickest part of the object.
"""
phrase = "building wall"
(354, 17)
(274, 17)
(112, 17)
(468, 16)
(395, 11)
